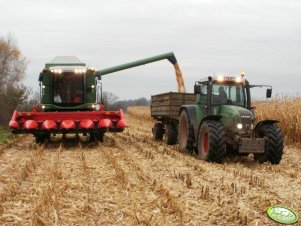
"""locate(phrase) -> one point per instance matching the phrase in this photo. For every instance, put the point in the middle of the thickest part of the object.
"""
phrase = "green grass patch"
(4, 134)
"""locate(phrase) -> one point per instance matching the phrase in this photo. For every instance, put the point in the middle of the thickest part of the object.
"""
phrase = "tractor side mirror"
(269, 93)
(197, 89)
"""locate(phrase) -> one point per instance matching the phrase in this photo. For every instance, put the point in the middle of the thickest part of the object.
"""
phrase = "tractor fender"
(265, 122)
(211, 117)
(206, 118)
(191, 111)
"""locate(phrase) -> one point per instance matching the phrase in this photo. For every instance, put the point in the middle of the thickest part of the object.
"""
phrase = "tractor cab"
(220, 90)
(228, 98)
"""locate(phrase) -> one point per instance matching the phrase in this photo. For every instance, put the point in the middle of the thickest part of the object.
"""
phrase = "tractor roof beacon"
(221, 121)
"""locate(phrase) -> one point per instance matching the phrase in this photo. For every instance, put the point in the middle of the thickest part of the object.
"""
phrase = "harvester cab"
(66, 84)
(223, 121)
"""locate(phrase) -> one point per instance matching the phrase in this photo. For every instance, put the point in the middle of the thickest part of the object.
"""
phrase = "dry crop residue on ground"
(131, 180)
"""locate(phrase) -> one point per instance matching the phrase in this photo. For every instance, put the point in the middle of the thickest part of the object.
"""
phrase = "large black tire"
(171, 134)
(40, 138)
(274, 144)
(211, 143)
(96, 136)
(186, 133)
(158, 131)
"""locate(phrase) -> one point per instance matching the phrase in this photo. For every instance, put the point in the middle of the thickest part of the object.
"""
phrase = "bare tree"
(12, 72)
(109, 100)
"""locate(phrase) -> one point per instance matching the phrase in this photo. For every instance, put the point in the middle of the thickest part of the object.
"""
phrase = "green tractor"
(223, 121)
(218, 121)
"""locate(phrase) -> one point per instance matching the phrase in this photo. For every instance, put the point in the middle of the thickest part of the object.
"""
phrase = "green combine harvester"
(71, 101)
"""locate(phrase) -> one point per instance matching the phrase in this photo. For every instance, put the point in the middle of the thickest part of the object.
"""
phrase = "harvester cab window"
(68, 88)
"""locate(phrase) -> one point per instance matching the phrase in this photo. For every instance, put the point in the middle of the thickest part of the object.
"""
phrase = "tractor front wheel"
(274, 144)
(211, 143)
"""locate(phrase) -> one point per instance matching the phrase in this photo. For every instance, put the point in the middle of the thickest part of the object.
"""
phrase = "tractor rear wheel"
(171, 134)
(211, 143)
(158, 131)
(274, 144)
(186, 134)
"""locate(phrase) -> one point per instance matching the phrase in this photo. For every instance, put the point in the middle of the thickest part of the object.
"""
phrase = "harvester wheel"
(186, 134)
(100, 136)
(171, 134)
(274, 144)
(97, 136)
(40, 138)
(211, 143)
(158, 131)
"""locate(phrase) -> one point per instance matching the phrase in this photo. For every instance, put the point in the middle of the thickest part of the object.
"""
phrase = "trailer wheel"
(171, 134)
(274, 145)
(158, 131)
(186, 134)
(211, 143)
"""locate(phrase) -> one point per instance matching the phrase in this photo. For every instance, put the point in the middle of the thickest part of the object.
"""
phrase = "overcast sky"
(260, 37)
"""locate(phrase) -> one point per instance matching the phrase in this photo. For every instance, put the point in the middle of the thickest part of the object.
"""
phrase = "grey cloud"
(226, 36)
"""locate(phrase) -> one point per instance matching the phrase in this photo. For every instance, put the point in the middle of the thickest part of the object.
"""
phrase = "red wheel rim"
(205, 142)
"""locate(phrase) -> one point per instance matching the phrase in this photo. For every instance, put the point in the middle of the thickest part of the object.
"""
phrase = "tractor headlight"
(220, 78)
(239, 126)
(93, 105)
(43, 106)
(238, 79)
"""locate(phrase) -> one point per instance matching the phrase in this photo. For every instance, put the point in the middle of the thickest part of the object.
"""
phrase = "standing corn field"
(288, 112)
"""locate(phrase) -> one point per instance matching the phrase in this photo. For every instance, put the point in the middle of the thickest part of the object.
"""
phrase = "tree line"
(112, 102)
(12, 72)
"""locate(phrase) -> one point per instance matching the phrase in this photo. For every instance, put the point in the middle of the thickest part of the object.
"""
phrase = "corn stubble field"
(131, 180)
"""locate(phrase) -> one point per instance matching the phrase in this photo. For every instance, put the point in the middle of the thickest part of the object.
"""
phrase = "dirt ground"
(131, 180)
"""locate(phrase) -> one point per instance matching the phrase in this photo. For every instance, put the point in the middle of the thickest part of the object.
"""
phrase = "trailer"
(165, 108)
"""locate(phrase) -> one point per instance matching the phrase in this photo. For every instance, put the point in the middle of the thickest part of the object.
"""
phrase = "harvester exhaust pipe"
(169, 56)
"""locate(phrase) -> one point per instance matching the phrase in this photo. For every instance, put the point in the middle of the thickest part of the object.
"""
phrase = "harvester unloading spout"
(169, 56)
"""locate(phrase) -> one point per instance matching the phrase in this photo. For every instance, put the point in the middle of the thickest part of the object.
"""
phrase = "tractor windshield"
(232, 94)
(68, 88)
